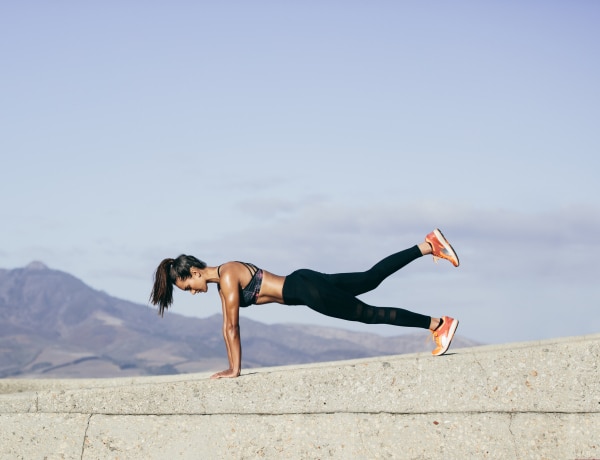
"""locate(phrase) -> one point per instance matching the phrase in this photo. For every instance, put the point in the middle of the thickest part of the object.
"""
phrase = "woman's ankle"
(425, 248)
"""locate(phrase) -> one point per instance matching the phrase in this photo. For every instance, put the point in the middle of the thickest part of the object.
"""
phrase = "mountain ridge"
(53, 325)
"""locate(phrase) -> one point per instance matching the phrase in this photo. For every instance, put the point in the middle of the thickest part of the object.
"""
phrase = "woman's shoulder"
(237, 270)
(227, 267)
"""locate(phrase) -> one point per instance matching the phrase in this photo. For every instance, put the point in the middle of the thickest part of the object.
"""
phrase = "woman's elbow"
(232, 330)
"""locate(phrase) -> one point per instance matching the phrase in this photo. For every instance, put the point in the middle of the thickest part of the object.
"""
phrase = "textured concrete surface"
(526, 400)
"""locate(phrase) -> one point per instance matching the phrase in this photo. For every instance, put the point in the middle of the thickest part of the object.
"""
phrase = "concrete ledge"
(527, 400)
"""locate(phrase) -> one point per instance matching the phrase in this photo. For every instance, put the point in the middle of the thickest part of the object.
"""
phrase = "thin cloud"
(501, 241)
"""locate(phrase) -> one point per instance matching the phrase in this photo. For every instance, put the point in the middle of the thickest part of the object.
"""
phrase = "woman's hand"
(227, 374)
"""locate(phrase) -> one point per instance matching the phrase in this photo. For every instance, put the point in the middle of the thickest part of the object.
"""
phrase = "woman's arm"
(231, 328)
(224, 310)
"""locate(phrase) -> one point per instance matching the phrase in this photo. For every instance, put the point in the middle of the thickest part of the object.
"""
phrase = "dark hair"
(169, 271)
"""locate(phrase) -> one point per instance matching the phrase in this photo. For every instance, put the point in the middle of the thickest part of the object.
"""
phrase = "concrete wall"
(527, 400)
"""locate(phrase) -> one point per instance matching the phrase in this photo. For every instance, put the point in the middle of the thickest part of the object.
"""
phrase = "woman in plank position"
(242, 284)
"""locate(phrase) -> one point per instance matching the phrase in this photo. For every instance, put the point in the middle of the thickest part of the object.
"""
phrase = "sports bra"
(249, 294)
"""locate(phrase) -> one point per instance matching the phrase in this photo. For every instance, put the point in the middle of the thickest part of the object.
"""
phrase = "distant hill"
(53, 325)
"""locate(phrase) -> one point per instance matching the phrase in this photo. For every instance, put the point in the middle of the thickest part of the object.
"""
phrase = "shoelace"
(434, 337)
(439, 252)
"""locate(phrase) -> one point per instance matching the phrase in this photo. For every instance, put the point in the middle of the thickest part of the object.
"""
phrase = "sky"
(318, 134)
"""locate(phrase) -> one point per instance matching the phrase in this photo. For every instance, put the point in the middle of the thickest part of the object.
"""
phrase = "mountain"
(53, 325)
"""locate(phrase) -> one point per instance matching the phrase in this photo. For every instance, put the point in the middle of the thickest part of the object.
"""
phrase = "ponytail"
(162, 291)
(169, 271)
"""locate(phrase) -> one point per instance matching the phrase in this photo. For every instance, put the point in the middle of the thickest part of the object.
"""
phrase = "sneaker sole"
(451, 332)
(442, 239)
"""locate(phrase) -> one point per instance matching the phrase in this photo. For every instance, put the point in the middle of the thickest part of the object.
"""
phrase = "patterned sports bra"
(249, 294)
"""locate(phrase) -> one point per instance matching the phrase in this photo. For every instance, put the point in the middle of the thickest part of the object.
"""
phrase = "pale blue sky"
(312, 134)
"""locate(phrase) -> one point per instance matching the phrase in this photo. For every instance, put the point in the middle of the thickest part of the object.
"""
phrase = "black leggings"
(335, 295)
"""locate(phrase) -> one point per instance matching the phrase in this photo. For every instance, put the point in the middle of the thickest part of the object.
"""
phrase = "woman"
(242, 284)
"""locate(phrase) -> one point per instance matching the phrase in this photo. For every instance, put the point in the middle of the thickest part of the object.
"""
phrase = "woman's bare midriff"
(271, 289)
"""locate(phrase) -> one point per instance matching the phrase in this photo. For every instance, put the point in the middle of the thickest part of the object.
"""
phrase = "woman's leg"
(335, 295)
(360, 282)
(315, 290)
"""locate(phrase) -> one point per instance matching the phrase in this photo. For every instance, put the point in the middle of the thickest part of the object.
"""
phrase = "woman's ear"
(195, 272)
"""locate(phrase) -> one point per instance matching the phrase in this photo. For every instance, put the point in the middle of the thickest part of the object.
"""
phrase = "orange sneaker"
(443, 335)
(441, 247)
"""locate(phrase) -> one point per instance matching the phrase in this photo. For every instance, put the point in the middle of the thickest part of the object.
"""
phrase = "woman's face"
(196, 283)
